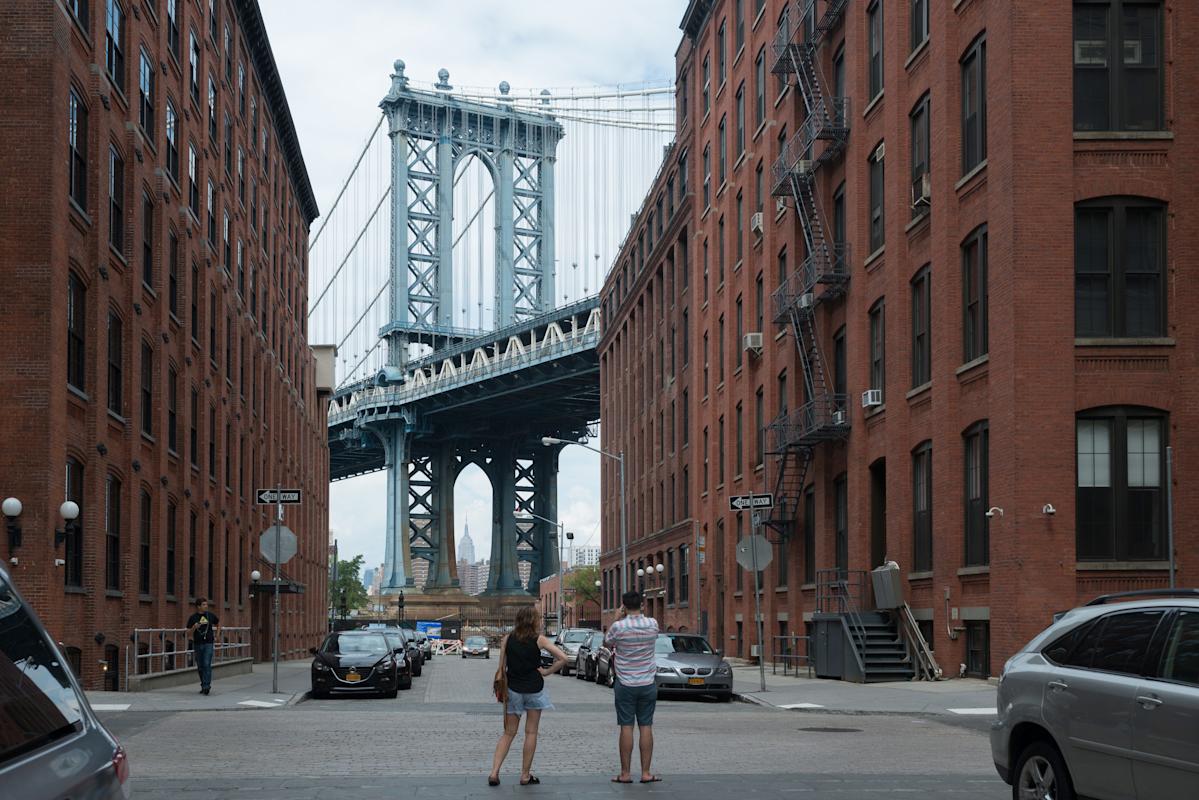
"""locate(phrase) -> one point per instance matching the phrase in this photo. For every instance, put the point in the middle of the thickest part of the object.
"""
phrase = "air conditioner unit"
(752, 343)
(807, 300)
(755, 650)
(780, 205)
(803, 166)
(872, 398)
(755, 222)
(840, 417)
(921, 191)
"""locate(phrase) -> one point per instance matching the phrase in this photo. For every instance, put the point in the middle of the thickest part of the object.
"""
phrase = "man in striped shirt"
(631, 639)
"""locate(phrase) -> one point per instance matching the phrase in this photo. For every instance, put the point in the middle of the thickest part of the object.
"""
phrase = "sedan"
(588, 656)
(410, 654)
(687, 664)
(476, 647)
(569, 640)
(605, 669)
(358, 662)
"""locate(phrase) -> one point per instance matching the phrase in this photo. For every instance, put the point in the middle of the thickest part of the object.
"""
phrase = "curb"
(297, 698)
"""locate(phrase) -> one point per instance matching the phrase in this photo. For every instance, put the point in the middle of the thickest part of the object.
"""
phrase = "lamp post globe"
(11, 507)
(659, 569)
(69, 510)
(255, 576)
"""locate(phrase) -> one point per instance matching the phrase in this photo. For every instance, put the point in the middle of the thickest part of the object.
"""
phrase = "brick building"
(153, 239)
(964, 272)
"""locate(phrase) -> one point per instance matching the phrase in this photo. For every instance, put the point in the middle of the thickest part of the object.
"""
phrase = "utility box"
(325, 356)
(888, 590)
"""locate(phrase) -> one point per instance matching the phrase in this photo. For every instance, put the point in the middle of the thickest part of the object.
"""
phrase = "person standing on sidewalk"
(632, 639)
(202, 627)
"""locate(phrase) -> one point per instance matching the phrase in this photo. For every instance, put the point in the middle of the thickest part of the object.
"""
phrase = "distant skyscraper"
(586, 556)
(376, 587)
(368, 578)
(466, 546)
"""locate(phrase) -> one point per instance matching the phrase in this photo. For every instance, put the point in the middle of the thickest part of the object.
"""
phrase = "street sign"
(740, 502)
(270, 497)
(285, 546)
(754, 548)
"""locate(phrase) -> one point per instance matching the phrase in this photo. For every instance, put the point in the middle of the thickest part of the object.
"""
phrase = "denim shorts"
(520, 702)
(635, 702)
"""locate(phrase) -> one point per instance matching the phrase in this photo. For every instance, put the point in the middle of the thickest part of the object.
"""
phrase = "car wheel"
(726, 697)
(488, 656)
(1040, 772)
(405, 683)
(417, 671)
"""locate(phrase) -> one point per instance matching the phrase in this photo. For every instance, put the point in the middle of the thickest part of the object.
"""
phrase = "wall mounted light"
(70, 514)
(12, 509)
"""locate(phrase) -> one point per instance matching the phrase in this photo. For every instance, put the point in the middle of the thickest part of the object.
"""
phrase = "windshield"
(476, 641)
(394, 640)
(37, 702)
(575, 637)
(682, 644)
(364, 644)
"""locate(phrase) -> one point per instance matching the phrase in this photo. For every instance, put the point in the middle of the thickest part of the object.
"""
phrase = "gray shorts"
(519, 702)
(635, 703)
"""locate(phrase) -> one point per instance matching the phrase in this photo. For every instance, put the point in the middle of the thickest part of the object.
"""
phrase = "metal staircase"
(823, 275)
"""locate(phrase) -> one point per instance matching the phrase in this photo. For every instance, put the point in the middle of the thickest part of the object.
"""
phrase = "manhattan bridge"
(458, 273)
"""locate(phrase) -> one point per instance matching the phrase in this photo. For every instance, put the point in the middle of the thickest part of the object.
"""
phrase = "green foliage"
(348, 584)
(581, 581)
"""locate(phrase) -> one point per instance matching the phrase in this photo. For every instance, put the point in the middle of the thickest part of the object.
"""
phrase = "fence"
(794, 653)
(162, 653)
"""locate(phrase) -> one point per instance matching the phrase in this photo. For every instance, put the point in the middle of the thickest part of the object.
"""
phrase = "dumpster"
(888, 590)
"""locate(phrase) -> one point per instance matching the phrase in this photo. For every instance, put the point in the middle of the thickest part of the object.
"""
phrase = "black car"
(359, 662)
(423, 642)
(397, 639)
(587, 659)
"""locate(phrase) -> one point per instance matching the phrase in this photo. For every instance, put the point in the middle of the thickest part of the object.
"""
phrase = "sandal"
(493, 781)
(532, 780)
(618, 780)
(651, 779)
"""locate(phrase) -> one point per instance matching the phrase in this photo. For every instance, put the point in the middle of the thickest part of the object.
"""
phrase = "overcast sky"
(335, 60)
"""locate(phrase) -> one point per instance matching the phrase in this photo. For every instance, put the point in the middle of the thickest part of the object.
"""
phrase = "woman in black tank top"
(520, 661)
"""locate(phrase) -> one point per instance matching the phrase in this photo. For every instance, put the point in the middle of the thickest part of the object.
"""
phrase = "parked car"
(605, 671)
(53, 744)
(568, 641)
(585, 658)
(412, 649)
(687, 664)
(476, 647)
(423, 642)
(1103, 703)
(397, 640)
(357, 662)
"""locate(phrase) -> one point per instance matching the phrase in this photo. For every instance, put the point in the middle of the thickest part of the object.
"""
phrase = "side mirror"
(399, 651)
(312, 650)
(720, 653)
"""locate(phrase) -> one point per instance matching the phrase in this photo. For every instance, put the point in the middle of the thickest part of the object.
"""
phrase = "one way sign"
(741, 502)
(270, 497)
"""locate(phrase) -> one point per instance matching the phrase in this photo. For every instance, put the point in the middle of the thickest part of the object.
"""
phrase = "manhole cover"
(831, 730)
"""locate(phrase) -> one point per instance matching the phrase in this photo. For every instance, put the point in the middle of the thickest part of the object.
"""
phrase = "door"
(878, 512)
(1089, 700)
(1165, 731)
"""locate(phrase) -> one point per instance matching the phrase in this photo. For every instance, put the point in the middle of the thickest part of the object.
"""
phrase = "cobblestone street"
(437, 739)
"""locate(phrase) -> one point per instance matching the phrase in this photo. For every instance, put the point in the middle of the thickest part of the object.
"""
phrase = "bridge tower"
(431, 133)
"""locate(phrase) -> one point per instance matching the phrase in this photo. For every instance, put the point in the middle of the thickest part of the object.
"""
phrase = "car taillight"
(120, 763)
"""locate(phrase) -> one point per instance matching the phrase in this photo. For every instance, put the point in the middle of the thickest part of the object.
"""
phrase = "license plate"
(696, 681)
(353, 677)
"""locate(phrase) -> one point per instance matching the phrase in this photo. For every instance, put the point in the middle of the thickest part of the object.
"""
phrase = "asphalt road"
(436, 741)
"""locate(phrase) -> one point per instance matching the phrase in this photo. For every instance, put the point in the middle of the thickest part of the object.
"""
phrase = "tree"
(348, 591)
(581, 581)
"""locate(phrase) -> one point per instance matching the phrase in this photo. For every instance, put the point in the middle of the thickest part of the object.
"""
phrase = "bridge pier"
(443, 569)
(397, 564)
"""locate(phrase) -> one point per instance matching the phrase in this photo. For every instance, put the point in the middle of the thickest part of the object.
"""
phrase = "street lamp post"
(624, 531)
(562, 534)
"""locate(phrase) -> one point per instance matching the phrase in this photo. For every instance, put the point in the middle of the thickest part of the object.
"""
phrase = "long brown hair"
(526, 624)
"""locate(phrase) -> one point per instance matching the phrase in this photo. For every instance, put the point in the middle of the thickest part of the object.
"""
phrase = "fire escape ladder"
(792, 465)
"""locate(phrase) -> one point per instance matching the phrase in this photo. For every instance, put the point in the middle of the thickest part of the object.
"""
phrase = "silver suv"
(1104, 703)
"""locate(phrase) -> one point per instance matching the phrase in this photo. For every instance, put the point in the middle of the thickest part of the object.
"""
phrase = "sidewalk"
(249, 691)
(959, 696)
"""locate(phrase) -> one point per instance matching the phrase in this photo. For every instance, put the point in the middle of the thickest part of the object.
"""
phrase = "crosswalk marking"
(972, 711)
(110, 706)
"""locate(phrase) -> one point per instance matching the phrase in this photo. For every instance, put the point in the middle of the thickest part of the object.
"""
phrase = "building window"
(707, 176)
(740, 227)
(77, 147)
(1118, 65)
(978, 649)
(739, 466)
(195, 304)
(193, 436)
(116, 200)
(211, 214)
(922, 507)
(212, 116)
(76, 337)
(228, 246)
(1119, 250)
(759, 428)
(173, 28)
(73, 572)
(760, 88)
(171, 548)
(977, 472)
(115, 360)
(684, 574)
(740, 120)
(191, 554)
(921, 328)
(874, 17)
(809, 535)
(146, 94)
(173, 273)
(172, 142)
(877, 193)
(723, 154)
(974, 294)
(193, 65)
(974, 105)
(228, 144)
(193, 179)
(919, 23)
(211, 571)
(114, 44)
(1121, 475)
(212, 443)
(921, 159)
(721, 62)
(143, 555)
(112, 533)
(147, 241)
(841, 522)
(878, 353)
(720, 452)
(147, 389)
(172, 410)
(707, 90)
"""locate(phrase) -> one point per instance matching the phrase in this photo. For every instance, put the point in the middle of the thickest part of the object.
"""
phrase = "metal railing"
(844, 592)
(824, 418)
(794, 653)
(163, 652)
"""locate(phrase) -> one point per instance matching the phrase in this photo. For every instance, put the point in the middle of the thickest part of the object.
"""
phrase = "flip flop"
(654, 779)
(493, 781)
(533, 779)
(618, 780)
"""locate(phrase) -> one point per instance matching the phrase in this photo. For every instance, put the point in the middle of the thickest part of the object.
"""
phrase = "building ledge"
(984, 569)
(921, 50)
(1123, 136)
(920, 576)
(1152, 341)
(969, 177)
(1115, 566)
(873, 104)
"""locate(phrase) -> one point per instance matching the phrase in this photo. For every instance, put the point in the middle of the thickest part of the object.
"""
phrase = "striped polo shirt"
(632, 639)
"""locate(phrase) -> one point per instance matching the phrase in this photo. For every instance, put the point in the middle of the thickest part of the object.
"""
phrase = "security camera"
(993, 510)
(1048, 510)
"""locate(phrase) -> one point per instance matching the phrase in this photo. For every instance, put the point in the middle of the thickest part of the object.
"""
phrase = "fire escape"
(823, 276)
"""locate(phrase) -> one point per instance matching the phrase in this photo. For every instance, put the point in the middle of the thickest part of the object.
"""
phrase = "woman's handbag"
(499, 684)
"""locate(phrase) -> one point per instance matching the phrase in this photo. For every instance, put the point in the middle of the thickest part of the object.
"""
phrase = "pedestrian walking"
(632, 638)
(202, 628)
(520, 685)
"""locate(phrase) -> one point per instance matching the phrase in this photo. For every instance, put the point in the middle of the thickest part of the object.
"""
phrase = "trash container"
(888, 591)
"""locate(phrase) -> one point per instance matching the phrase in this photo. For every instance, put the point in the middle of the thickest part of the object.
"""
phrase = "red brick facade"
(1035, 377)
(226, 400)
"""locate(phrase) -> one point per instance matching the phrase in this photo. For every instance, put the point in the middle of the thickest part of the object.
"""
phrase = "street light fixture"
(12, 509)
(624, 531)
(562, 534)
(69, 512)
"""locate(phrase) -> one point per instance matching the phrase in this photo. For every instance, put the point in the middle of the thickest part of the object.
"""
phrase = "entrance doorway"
(878, 512)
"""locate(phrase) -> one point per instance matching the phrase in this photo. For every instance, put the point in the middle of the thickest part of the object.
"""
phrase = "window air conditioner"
(755, 650)
(752, 343)
(807, 300)
(921, 191)
(872, 398)
(755, 222)
(840, 417)
(780, 205)
(803, 166)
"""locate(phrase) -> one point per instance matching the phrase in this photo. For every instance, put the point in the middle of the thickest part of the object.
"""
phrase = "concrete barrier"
(182, 677)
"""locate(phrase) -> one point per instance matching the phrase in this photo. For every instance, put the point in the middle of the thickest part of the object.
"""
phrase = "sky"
(335, 61)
